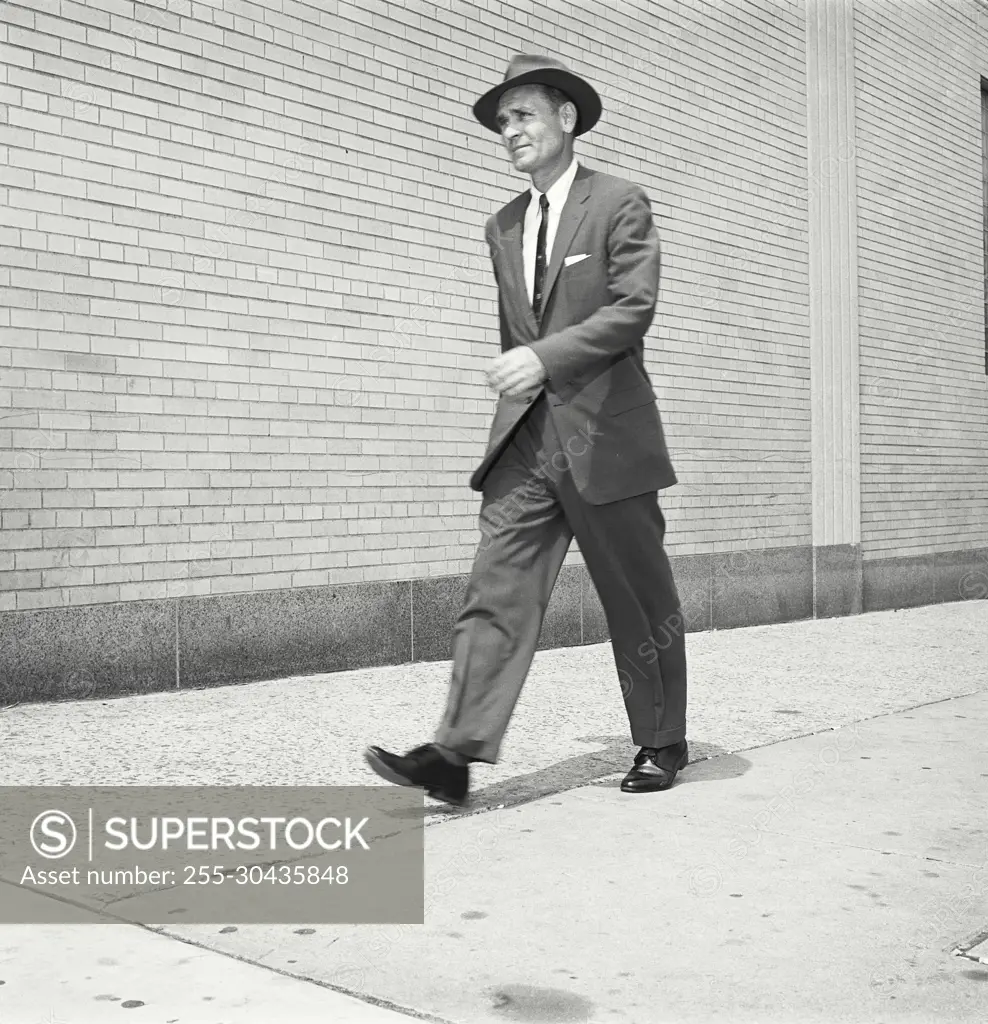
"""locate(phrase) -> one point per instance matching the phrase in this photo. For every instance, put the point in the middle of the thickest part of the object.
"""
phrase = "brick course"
(924, 446)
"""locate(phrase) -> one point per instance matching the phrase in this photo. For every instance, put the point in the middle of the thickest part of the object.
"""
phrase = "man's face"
(533, 133)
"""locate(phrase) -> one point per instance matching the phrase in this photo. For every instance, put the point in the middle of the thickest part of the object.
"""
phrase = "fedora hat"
(533, 69)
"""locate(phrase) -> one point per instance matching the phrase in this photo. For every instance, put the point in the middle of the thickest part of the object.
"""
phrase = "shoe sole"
(390, 775)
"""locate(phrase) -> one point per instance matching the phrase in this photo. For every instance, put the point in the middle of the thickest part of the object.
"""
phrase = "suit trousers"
(530, 512)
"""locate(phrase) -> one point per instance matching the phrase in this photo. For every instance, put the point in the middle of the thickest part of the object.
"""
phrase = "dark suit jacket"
(591, 339)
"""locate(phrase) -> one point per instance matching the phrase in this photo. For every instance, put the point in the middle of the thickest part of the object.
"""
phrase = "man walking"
(576, 448)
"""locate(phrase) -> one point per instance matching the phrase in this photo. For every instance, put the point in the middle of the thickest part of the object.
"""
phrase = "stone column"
(833, 283)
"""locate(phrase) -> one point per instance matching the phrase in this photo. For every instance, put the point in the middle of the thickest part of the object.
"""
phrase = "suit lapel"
(574, 210)
(514, 261)
(512, 229)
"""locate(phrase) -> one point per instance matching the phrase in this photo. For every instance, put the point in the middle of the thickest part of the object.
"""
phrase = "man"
(576, 447)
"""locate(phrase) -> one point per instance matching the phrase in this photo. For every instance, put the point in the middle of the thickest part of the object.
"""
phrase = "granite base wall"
(104, 650)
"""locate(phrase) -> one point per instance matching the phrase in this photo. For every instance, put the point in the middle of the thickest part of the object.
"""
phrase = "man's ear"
(568, 114)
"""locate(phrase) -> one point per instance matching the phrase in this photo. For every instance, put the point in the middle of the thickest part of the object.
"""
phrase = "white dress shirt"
(556, 195)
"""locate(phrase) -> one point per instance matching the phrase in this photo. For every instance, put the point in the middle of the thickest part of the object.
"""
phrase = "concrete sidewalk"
(87, 973)
(822, 878)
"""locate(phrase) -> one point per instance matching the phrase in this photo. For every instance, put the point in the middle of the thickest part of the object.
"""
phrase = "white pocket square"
(570, 260)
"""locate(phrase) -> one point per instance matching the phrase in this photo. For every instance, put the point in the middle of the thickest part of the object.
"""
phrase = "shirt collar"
(558, 191)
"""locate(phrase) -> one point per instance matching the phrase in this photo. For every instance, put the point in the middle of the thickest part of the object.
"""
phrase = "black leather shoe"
(656, 769)
(425, 767)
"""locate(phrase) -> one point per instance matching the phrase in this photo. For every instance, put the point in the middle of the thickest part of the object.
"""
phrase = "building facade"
(246, 306)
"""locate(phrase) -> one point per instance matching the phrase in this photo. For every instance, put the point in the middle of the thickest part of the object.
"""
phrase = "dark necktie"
(540, 258)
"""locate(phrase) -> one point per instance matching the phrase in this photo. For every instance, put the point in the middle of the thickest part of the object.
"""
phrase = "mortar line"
(178, 676)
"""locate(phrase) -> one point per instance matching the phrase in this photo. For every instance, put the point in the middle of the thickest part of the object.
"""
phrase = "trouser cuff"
(469, 750)
(650, 738)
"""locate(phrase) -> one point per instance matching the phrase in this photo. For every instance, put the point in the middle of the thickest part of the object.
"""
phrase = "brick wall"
(924, 437)
(247, 306)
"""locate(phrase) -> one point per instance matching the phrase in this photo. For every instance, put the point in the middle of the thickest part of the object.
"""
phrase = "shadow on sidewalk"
(708, 763)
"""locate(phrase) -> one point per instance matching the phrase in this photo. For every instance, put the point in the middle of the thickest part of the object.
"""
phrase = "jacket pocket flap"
(630, 398)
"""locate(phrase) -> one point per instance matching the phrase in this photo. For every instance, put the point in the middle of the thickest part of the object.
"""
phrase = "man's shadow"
(708, 763)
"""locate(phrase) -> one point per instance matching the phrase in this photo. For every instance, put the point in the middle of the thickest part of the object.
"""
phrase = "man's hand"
(516, 371)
